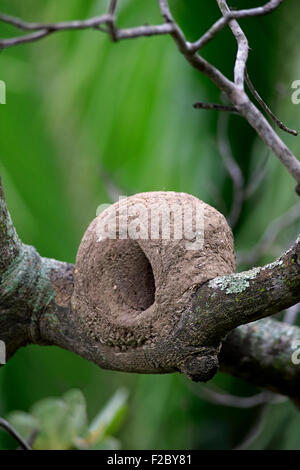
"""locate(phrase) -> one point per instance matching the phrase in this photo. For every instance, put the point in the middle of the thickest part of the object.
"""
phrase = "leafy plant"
(61, 423)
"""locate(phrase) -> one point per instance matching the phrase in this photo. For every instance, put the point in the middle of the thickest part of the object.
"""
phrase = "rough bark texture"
(36, 307)
(261, 353)
(38, 303)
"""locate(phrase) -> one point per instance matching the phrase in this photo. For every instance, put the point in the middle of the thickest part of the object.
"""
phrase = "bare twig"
(233, 170)
(266, 107)
(44, 29)
(225, 399)
(214, 106)
(112, 7)
(7, 427)
(140, 31)
(255, 430)
(242, 42)
(257, 177)
(59, 26)
(234, 91)
(231, 15)
(269, 236)
(112, 189)
(31, 438)
(111, 28)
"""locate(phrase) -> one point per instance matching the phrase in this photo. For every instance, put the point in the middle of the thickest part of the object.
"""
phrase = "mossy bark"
(35, 307)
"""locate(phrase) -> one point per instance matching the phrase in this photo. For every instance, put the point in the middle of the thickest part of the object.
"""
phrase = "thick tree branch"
(261, 353)
(36, 307)
(36, 293)
(241, 298)
(10, 244)
(251, 351)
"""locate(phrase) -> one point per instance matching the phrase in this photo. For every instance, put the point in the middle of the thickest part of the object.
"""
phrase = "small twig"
(41, 30)
(269, 236)
(266, 107)
(30, 439)
(215, 106)
(225, 399)
(112, 189)
(144, 31)
(257, 177)
(7, 427)
(233, 170)
(233, 90)
(112, 7)
(231, 15)
(291, 314)
(243, 48)
(59, 26)
(177, 34)
(255, 430)
(111, 28)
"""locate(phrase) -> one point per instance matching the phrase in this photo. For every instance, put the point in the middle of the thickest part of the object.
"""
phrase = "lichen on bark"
(36, 307)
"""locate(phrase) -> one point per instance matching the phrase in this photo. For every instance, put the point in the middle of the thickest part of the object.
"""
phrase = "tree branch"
(231, 15)
(248, 351)
(266, 107)
(242, 42)
(7, 427)
(234, 91)
(215, 106)
(233, 170)
(36, 292)
(36, 306)
(10, 244)
(261, 353)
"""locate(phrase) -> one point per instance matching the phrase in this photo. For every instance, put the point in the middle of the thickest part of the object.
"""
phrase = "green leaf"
(76, 417)
(24, 423)
(50, 413)
(60, 420)
(109, 419)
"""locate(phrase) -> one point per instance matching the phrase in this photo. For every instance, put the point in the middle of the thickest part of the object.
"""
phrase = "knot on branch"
(138, 267)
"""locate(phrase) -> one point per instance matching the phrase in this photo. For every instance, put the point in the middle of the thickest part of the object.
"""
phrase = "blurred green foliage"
(84, 115)
(61, 423)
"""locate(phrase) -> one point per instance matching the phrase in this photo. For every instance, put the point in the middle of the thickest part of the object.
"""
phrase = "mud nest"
(131, 288)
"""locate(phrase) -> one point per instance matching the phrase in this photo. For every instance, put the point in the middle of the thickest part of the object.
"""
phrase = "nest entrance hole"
(132, 276)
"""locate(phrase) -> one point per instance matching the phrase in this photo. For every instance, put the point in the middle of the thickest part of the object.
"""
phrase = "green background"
(86, 119)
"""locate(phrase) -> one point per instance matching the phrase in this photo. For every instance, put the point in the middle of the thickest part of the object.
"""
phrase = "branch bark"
(35, 292)
(261, 353)
(35, 306)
